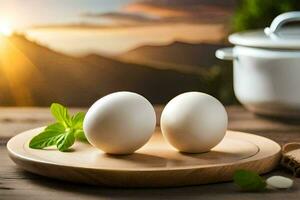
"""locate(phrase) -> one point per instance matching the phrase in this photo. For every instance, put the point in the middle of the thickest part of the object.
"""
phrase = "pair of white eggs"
(122, 122)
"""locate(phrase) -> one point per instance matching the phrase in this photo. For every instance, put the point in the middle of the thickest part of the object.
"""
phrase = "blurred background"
(76, 51)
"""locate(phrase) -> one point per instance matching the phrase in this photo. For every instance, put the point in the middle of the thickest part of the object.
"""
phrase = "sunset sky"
(118, 25)
(27, 13)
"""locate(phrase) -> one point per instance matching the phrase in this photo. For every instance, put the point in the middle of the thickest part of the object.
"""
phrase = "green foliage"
(254, 14)
(223, 83)
(63, 133)
(249, 181)
(60, 113)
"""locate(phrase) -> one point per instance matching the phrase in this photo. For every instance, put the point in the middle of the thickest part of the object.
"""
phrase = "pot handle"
(280, 20)
(225, 53)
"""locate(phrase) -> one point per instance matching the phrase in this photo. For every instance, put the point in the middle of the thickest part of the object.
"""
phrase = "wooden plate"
(157, 164)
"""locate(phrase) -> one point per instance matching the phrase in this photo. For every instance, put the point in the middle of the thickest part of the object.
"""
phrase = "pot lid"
(274, 36)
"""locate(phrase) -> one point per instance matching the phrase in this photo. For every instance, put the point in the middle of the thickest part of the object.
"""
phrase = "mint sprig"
(63, 132)
(249, 181)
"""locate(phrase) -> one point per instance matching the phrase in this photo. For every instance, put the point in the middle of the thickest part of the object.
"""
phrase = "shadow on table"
(210, 191)
(131, 193)
(281, 120)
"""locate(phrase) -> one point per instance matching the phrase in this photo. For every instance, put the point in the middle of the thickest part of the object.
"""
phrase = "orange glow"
(153, 10)
(15, 68)
(116, 41)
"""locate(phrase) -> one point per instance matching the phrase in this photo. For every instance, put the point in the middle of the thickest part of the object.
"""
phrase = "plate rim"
(17, 156)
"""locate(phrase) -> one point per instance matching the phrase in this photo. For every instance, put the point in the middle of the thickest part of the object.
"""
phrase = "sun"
(5, 28)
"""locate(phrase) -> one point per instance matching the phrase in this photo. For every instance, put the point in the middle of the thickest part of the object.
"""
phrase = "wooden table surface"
(18, 184)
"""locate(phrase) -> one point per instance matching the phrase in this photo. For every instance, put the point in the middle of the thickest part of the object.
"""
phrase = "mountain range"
(34, 75)
(184, 57)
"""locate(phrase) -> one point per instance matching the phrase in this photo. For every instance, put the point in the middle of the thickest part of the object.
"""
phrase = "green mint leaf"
(57, 127)
(63, 133)
(45, 139)
(79, 135)
(61, 114)
(248, 180)
(77, 120)
(66, 141)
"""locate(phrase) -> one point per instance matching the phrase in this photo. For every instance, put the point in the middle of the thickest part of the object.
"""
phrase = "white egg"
(120, 123)
(194, 122)
(279, 182)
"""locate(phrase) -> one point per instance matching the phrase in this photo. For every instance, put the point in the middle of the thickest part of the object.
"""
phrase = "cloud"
(184, 4)
(184, 10)
(155, 10)
(122, 17)
(147, 12)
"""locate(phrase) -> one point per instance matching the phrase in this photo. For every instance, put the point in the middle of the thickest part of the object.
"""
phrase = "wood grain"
(155, 165)
(16, 183)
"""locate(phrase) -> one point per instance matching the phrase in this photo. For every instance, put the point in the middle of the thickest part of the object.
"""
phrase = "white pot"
(267, 68)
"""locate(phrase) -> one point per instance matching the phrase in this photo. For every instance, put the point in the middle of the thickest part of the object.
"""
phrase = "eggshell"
(279, 182)
(194, 122)
(120, 123)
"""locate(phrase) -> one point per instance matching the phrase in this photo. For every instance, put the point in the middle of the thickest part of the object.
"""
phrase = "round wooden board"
(156, 164)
